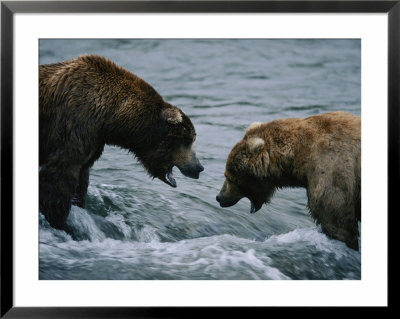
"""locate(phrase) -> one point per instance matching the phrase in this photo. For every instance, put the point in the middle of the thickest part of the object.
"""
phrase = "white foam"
(148, 234)
(80, 219)
(94, 191)
(49, 234)
(312, 236)
(118, 220)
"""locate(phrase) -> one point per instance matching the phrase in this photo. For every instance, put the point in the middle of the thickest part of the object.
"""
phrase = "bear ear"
(253, 125)
(255, 144)
(172, 115)
(258, 161)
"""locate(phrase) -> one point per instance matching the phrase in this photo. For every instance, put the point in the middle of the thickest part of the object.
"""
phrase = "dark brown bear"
(321, 153)
(88, 102)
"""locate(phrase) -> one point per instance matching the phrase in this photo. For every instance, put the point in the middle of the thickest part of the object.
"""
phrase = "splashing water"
(134, 227)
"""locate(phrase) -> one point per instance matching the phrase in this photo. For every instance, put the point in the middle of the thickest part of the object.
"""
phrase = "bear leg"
(79, 196)
(333, 208)
(56, 187)
(348, 236)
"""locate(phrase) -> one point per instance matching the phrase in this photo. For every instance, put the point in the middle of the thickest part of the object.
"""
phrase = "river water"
(134, 227)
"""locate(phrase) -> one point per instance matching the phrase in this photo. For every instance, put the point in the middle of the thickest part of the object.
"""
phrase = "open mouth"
(169, 178)
(254, 207)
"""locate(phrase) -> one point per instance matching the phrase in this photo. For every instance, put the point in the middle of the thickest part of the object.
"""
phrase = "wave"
(138, 252)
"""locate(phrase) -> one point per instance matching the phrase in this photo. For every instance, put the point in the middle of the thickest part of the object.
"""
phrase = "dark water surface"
(134, 227)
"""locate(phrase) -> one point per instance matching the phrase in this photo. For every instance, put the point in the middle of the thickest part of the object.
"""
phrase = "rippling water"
(134, 227)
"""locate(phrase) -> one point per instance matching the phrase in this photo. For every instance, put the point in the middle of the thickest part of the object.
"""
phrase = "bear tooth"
(171, 179)
(252, 208)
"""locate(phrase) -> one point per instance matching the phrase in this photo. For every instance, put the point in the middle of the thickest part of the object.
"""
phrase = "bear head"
(175, 147)
(247, 172)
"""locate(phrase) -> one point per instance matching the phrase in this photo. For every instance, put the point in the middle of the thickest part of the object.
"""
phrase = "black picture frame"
(9, 8)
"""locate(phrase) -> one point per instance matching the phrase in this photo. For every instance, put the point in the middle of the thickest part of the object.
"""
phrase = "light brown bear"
(321, 153)
(89, 101)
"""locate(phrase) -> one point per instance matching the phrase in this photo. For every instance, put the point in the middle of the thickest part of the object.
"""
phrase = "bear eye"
(228, 179)
(187, 142)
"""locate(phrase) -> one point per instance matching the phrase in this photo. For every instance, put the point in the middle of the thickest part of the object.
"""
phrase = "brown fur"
(88, 102)
(321, 153)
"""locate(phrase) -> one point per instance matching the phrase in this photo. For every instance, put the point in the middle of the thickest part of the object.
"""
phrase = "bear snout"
(192, 171)
(225, 201)
(200, 168)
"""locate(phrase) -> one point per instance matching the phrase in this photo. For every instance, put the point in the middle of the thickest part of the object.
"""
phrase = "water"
(134, 227)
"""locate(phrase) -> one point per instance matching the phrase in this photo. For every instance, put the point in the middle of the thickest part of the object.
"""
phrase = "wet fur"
(87, 102)
(320, 153)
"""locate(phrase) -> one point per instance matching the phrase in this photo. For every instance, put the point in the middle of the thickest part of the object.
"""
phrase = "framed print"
(165, 157)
